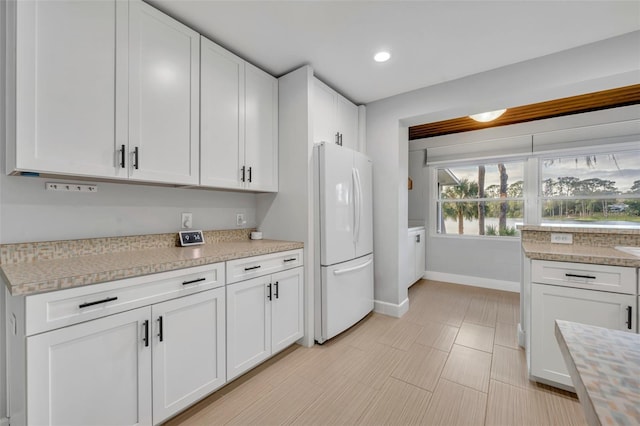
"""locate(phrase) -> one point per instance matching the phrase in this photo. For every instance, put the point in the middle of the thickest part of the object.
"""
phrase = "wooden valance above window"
(623, 96)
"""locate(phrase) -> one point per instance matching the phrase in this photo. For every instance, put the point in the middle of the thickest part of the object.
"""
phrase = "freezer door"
(336, 175)
(347, 295)
(364, 210)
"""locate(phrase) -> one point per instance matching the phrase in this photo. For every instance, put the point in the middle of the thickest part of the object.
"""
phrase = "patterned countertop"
(36, 276)
(579, 253)
(604, 365)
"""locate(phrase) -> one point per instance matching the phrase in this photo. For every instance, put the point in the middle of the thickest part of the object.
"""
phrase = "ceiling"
(430, 41)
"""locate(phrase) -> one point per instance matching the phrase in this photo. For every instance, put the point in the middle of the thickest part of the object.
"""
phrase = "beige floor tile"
(421, 366)
(562, 407)
(373, 369)
(454, 404)
(506, 335)
(341, 404)
(333, 364)
(398, 403)
(509, 308)
(401, 335)
(482, 310)
(282, 405)
(221, 407)
(510, 366)
(468, 367)
(365, 334)
(437, 335)
(476, 336)
(512, 405)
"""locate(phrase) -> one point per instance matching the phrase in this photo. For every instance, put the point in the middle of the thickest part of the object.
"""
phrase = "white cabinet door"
(549, 303)
(411, 257)
(261, 130)
(347, 122)
(335, 118)
(188, 351)
(222, 116)
(94, 373)
(324, 113)
(287, 320)
(164, 75)
(421, 255)
(248, 324)
(66, 86)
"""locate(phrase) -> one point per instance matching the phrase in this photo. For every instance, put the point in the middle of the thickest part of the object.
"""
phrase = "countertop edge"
(18, 287)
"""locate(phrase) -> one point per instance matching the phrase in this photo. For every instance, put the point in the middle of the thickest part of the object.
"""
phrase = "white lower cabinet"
(94, 373)
(129, 352)
(264, 316)
(188, 351)
(417, 255)
(550, 303)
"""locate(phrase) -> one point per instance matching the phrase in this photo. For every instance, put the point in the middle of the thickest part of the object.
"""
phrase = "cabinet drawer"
(56, 309)
(616, 279)
(256, 266)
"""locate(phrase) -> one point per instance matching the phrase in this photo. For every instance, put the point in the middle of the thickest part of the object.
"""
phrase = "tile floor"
(453, 359)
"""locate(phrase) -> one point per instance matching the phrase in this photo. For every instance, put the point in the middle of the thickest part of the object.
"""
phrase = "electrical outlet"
(561, 238)
(70, 187)
(186, 222)
(240, 219)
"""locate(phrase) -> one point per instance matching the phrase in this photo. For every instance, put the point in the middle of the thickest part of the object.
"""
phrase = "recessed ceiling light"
(382, 56)
(485, 117)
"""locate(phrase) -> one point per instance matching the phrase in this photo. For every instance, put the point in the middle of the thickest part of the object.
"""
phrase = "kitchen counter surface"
(38, 276)
(579, 253)
(604, 365)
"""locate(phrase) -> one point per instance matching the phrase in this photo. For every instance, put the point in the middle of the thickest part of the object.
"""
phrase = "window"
(591, 189)
(481, 199)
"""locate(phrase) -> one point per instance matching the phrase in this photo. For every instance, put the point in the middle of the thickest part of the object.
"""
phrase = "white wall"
(29, 213)
(598, 66)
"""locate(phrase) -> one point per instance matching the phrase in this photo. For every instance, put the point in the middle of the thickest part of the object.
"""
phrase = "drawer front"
(56, 309)
(616, 279)
(256, 266)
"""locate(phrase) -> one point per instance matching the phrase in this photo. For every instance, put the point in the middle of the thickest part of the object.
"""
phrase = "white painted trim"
(512, 286)
(391, 309)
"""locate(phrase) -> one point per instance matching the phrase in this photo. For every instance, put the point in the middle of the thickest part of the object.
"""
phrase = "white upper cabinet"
(261, 127)
(164, 66)
(104, 88)
(239, 123)
(66, 86)
(335, 117)
(222, 116)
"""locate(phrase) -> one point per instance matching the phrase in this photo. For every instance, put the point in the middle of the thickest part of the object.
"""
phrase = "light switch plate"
(191, 238)
(561, 238)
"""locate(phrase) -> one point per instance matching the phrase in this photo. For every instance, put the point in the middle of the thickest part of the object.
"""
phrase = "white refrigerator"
(344, 236)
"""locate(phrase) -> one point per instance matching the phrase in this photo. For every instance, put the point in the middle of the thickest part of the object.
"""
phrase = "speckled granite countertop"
(605, 368)
(590, 245)
(579, 254)
(36, 276)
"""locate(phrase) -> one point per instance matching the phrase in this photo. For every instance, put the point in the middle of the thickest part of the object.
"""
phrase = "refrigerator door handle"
(359, 205)
(356, 204)
(355, 268)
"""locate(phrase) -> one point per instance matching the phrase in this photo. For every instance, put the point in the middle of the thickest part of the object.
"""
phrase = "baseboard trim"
(512, 286)
(391, 309)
